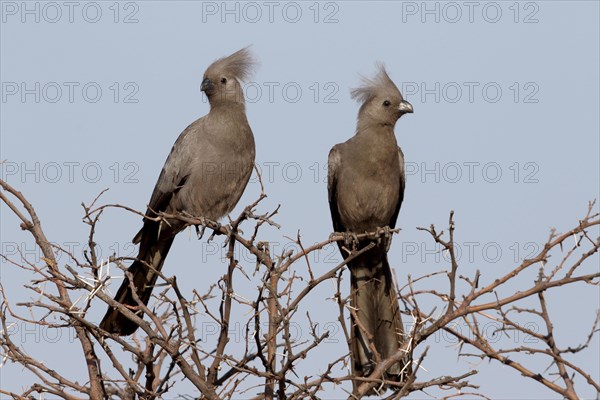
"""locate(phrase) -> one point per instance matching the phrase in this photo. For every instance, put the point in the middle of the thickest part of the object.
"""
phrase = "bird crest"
(379, 85)
(240, 65)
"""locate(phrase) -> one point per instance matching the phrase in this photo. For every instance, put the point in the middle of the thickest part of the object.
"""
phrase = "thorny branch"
(272, 296)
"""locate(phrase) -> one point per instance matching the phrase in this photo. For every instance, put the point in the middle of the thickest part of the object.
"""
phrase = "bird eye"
(386, 103)
(223, 80)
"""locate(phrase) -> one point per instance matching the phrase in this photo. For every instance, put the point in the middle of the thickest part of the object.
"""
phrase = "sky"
(505, 133)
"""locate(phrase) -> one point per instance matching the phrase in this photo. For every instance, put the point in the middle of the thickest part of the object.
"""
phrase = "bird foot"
(385, 237)
(200, 231)
(350, 240)
(215, 232)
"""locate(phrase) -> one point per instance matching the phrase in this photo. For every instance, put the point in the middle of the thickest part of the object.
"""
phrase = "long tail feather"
(144, 279)
(374, 298)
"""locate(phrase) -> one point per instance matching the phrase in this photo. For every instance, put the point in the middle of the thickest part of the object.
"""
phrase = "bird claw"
(386, 238)
(200, 231)
(350, 240)
(215, 232)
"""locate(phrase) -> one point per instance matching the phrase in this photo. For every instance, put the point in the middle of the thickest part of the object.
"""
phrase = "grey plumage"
(204, 175)
(366, 188)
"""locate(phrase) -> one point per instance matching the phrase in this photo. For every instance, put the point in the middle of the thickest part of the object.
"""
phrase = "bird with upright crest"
(365, 189)
(204, 176)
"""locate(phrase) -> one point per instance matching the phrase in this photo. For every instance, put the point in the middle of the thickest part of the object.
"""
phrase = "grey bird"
(366, 189)
(204, 176)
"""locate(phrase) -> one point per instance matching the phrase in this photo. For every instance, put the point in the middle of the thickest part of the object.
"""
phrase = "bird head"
(381, 101)
(222, 81)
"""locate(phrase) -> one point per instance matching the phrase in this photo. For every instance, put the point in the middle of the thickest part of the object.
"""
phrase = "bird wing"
(334, 162)
(402, 184)
(172, 178)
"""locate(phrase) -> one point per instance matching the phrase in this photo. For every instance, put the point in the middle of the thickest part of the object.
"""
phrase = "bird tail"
(376, 303)
(144, 278)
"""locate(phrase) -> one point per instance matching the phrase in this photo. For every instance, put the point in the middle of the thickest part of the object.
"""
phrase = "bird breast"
(222, 162)
(371, 195)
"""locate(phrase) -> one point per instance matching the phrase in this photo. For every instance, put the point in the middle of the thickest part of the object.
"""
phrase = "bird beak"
(207, 85)
(405, 107)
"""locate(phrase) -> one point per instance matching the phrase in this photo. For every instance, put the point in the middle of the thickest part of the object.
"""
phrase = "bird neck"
(227, 106)
(375, 130)
(366, 122)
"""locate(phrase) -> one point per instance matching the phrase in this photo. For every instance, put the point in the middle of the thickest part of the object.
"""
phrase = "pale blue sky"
(517, 97)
